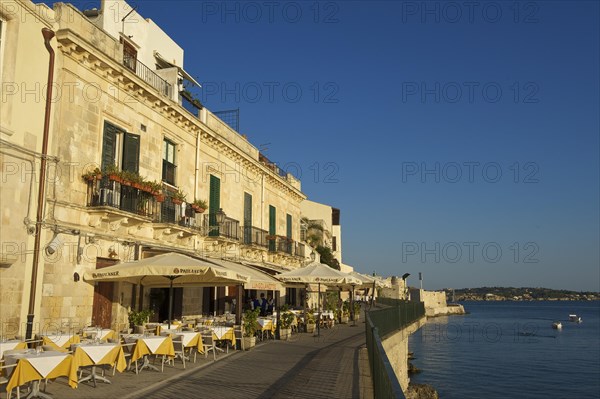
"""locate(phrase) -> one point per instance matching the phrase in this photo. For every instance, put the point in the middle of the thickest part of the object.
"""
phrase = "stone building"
(120, 108)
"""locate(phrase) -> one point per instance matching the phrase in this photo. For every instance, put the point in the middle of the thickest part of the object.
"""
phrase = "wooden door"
(103, 298)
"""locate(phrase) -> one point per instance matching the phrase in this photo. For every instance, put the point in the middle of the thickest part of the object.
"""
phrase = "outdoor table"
(223, 333)
(61, 342)
(11, 345)
(35, 366)
(98, 354)
(144, 346)
(266, 325)
(102, 334)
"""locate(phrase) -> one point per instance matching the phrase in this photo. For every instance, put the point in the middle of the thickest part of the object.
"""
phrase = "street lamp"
(220, 216)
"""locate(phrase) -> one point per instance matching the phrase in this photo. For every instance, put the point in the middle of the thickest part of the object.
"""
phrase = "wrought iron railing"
(147, 74)
(105, 192)
(190, 105)
(175, 212)
(300, 250)
(230, 228)
(254, 236)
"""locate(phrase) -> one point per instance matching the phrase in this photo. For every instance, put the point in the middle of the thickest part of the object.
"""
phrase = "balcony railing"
(230, 228)
(147, 74)
(254, 236)
(116, 195)
(177, 213)
(285, 245)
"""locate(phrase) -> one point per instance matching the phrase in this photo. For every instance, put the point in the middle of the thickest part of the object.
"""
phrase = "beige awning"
(161, 270)
(258, 280)
(318, 273)
(161, 60)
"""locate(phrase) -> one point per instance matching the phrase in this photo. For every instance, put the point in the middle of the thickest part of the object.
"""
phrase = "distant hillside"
(519, 294)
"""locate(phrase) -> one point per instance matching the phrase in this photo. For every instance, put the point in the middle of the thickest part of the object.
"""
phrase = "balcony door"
(214, 204)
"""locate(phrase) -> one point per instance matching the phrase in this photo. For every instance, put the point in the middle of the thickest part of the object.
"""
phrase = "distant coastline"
(518, 294)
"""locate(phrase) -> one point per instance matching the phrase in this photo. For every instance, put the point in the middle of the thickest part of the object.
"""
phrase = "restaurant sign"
(106, 274)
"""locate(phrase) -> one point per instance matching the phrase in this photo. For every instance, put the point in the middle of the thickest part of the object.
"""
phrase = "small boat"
(557, 325)
(574, 318)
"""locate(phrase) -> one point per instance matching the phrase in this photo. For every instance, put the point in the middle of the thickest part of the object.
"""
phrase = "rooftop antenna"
(264, 147)
(123, 20)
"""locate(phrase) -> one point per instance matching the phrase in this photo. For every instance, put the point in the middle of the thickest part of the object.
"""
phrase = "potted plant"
(345, 313)
(286, 320)
(199, 206)
(92, 175)
(138, 318)
(249, 323)
(113, 173)
(356, 310)
(310, 322)
(178, 197)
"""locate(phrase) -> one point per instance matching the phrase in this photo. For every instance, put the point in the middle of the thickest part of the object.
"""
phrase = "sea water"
(510, 350)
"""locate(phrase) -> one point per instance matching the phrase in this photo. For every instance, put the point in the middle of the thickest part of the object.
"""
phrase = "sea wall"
(435, 303)
(396, 348)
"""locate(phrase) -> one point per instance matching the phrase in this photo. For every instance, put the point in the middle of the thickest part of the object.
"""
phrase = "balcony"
(179, 214)
(284, 245)
(254, 236)
(104, 193)
(147, 75)
(229, 229)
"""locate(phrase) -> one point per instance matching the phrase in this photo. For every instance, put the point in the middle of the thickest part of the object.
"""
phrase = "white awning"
(165, 63)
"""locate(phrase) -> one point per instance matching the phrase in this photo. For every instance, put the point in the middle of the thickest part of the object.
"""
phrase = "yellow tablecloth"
(141, 348)
(266, 325)
(221, 333)
(74, 339)
(115, 355)
(194, 342)
(25, 372)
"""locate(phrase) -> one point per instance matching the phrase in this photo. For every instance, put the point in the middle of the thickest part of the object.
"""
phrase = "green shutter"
(272, 226)
(247, 218)
(288, 221)
(109, 145)
(214, 204)
(131, 152)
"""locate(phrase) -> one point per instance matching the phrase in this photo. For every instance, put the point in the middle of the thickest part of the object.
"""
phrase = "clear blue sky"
(408, 114)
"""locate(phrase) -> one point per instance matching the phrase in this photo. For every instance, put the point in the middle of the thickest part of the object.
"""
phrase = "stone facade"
(100, 97)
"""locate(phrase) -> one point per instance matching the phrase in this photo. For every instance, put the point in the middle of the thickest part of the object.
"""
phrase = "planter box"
(285, 334)
(344, 319)
(310, 328)
(249, 342)
(138, 329)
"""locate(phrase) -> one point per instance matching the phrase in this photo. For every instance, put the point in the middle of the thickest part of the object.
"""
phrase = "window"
(214, 204)
(334, 244)
(168, 166)
(120, 149)
(129, 55)
(272, 227)
(288, 220)
(247, 218)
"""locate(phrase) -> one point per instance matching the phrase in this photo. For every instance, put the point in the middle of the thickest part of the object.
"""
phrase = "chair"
(237, 331)
(209, 345)
(179, 349)
(4, 379)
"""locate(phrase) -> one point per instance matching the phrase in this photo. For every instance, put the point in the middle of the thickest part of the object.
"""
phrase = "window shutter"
(109, 145)
(131, 152)
(247, 210)
(215, 194)
(272, 227)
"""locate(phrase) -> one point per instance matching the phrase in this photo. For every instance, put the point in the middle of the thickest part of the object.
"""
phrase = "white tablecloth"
(59, 339)
(97, 351)
(8, 346)
(219, 331)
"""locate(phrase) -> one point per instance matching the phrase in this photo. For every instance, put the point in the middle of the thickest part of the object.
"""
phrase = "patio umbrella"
(318, 273)
(174, 269)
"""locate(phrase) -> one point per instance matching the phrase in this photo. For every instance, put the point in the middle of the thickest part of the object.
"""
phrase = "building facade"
(133, 156)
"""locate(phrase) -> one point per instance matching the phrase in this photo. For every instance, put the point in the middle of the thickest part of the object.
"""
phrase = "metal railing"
(105, 192)
(254, 236)
(380, 323)
(176, 213)
(230, 228)
(147, 74)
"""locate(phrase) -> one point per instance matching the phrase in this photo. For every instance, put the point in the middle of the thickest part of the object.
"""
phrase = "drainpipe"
(48, 35)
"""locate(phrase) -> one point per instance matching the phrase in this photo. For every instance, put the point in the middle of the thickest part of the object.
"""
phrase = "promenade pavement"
(329, 366)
